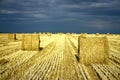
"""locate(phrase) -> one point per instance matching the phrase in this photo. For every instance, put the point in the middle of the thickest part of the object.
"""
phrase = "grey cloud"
(9, 11)
(53, 10)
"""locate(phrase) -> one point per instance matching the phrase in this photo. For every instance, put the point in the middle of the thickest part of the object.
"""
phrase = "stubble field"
(56, 59)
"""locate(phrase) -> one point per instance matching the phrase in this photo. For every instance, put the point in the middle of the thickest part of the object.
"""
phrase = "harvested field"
(56, 60)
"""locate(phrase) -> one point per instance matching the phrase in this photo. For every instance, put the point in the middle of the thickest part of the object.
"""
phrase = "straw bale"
(12, 36)
(30, 42)
(19, 36)
(35, 42)
(97, 34)
(93, 50)
(26, 42)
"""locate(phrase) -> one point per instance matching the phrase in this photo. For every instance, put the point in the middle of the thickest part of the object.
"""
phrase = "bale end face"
(26, 42)
(12, 37)
(30, 42)
(35, 42)
(93, 50)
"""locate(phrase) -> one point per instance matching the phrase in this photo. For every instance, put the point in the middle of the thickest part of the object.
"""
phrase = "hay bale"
(12, 36)
(35, 41)
(93, 50)
(19, 36)
(108, 34)
(26, 42)
(30, 42)
(97, 34)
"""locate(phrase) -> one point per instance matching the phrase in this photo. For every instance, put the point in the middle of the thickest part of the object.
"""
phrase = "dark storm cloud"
(86, 14)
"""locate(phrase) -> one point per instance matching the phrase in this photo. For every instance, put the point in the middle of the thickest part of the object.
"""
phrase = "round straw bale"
(12, 36)
(30, 42)
(93, 50)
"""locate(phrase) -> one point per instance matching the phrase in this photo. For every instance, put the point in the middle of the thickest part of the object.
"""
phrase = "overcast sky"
(78, 16)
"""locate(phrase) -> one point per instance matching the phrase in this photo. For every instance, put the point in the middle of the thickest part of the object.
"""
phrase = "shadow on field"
(3, 61)
(77, 58)
(41, 48)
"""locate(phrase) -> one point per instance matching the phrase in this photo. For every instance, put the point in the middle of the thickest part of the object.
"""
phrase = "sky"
(74, 16)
